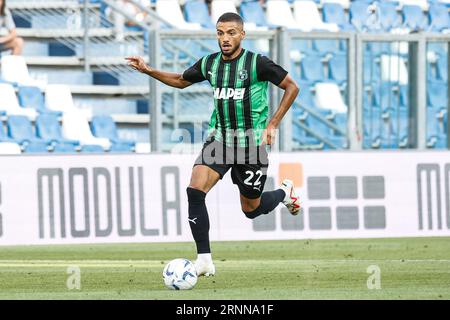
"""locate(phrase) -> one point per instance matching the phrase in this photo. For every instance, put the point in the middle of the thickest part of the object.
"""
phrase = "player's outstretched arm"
(171, 79)
(290, 93)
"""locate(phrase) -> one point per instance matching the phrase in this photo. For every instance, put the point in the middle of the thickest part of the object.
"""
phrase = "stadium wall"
(62, 199)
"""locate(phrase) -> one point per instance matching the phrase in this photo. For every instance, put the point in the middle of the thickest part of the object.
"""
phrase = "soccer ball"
(180, 274)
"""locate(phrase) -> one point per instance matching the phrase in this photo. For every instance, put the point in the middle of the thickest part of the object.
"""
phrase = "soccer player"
(239, 129)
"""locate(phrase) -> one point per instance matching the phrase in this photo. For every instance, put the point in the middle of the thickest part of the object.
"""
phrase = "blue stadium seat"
(378, 48)
(35, 147)
(300, 136)
(251, 11)
(3, 136)
(323, 130)
(327, 46)
(442, 69)
(334, 13)
(439, 18)
(21, 130)
(197, 11)
(384, 98)
(359, 15)
(399, 124)
(120, 148)
(372, 70)
(389, 19)
(404, 98)
(48, 128)
(414, 18)
(32, 97)
(91, 148)
(312, 69)
(337, 67)
(64, 148)
(105, 127)
(437, 95)
(372, 127)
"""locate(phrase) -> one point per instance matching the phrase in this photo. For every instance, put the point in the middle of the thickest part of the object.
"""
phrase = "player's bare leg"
(203, 179)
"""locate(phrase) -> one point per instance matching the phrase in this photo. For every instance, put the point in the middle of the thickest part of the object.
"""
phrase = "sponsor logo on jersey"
(229, 93)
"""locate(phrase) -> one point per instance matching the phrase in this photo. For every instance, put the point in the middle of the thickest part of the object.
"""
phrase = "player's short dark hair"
(231, 17)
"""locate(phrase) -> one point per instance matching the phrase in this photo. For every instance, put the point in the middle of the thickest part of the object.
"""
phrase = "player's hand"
(269, 134)
(137, 63)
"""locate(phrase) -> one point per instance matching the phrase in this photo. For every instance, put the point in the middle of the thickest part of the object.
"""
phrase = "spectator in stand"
(10, 41)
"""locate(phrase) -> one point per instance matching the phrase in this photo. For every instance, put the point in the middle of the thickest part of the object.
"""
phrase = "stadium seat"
(393, 69)
(219, 7)
(360, 15)
(439, 18)
(75, 126)
(372, 70)
(334, 13)
(105, 127)
(91, 148)
(10, 148)
(251, 11)
(279, 13)
(58, 97)
(384, 97)
(120, 148)
(308, 18)
(196, 11)
(170, 11)
(324, 131)
(414, 19)
(422, 4)
(35, 147)
(337, 67)
(3, 136)
(343, 3)
(64, 148)
(399, 124)
(312, 69)
(372, 126)
(328, 96)
(437, 95)
(10, 104)
(378, 48)
(48, 128)
(388, 16)
(442, 69)
(326, 46)
(32, 97)
(14, 69)
(20, 130)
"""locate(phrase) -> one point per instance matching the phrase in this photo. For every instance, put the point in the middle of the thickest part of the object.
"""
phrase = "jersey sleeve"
(194, 73)
(267, 70)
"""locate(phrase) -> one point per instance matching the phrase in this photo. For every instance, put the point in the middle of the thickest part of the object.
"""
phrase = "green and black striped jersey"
(240, 94)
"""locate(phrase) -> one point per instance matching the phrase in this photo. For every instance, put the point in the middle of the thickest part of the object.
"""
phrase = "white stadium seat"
(10, 103)
(393, 68)
(170, 11)
(328, 96)
(75, 126)
(279, 13)
(14, 69)
(9, 148)
(423, 4)
(344, 3)
(219, 7)
(58, 97)
(308, 17)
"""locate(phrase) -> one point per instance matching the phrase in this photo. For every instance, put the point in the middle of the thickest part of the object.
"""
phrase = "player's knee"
(251, 214)
(195, 195)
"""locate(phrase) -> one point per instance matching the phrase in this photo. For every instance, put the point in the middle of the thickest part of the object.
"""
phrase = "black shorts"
(248, 165)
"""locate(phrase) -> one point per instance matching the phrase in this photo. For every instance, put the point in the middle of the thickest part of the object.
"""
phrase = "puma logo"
(193, 220)
(257, 188)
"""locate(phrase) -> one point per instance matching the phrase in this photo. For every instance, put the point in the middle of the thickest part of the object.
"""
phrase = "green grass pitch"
(411, 268)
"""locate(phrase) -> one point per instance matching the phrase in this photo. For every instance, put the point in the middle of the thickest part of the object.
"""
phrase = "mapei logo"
(332, 203)
(433, 195)
(229, 93)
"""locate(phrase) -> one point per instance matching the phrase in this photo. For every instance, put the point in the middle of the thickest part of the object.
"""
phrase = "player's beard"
(230, 53)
